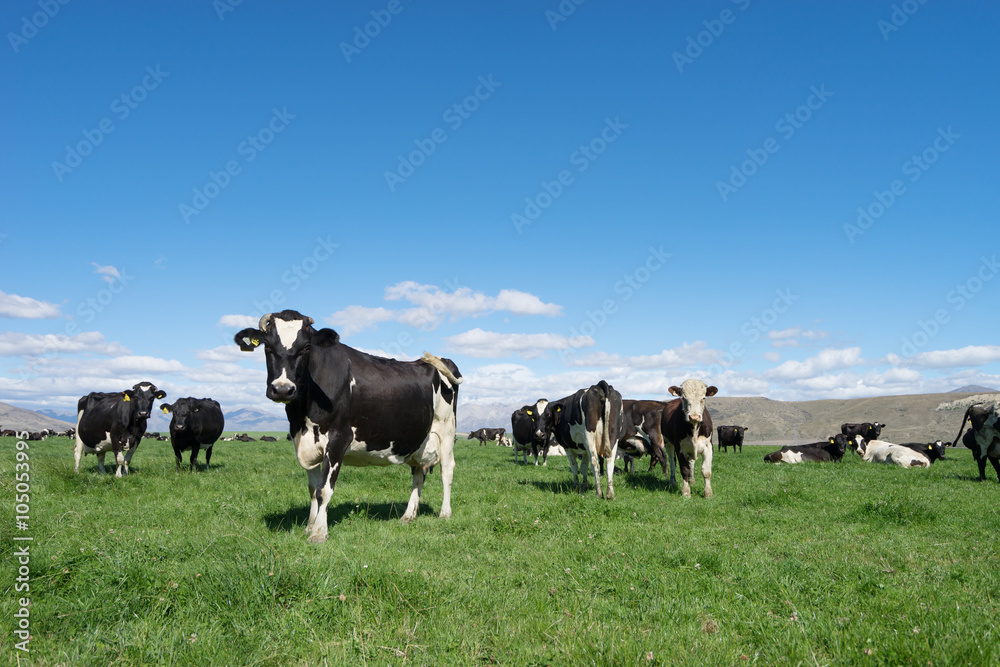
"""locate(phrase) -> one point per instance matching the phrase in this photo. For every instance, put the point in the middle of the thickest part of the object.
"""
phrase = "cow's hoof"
(317, 539)
(708, 493)
(406, 519)
(445, 514)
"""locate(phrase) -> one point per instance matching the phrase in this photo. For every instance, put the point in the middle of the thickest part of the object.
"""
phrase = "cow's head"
(693, 394)
(740, 432)
(838, 444)
(872, 431)
(183, 410)
(934, 450)
(287, 338)
(142, 396)
(547, 420)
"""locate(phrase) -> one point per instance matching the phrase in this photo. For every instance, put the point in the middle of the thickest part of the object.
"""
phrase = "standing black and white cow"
(484, 434)
(731, 436)
(687, 428)
(867, 430)
(985, 436)
(523, 426)
(346, 407)
(586, 424)
(113, 422)
(196, 423)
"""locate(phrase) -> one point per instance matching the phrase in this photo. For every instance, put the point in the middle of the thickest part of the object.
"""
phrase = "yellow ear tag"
(558, 408)
(930, 446)
(127, 398)
(165, 411)
(529, 412)
(255, 341)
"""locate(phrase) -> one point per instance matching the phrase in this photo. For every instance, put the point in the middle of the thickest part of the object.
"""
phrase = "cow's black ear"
(160, 395)
(712, 391)
(248, 339)
(326, 338)
(166, 407)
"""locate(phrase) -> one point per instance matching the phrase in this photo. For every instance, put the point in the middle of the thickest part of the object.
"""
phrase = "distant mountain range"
(20, 419)
(973, 389)
(240, 419)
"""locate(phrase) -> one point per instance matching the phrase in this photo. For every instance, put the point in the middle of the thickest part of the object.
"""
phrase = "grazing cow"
(731, 436)
(586, 424)
(832, 449)
(524, 426)
(984, 436)
(196, 423)
(484, 434)
(880, 451)
(268, 438)
(641, 423)
(867, 430)
(346, 407)
(113, 421)
(687, 430)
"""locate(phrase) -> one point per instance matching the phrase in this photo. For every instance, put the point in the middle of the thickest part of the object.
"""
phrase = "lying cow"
(833, 449)
(731, 436)
(879, 451)
(490, 434)
(934, 451)
(195, 424)
(586, 424)
(347, 407)
(983, 438)
(113, 422)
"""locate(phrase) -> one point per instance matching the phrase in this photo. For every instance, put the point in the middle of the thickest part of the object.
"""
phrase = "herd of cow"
(346, 407)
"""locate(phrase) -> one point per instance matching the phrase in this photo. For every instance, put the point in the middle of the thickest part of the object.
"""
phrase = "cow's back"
(96, 414)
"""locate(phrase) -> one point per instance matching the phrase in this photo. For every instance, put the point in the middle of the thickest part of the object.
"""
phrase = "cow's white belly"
(791, 457)
(101, 447)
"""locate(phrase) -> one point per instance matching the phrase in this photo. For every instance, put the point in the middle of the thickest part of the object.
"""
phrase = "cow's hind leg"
(447, 473)
(996, 466)
(981, 462)
(77, 453)
(419, 475)
(208, 456)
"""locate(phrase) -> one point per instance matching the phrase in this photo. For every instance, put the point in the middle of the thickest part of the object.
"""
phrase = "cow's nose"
(143, 414)
(694, 418)
(282, 392)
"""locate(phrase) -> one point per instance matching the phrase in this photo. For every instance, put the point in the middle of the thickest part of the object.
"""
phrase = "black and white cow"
(113, 422)
(524, 426)
(490, 434)
(196, 424)
(687, 429)
(932, 450)
(731, 436)
(880, 451)
(984, 440)
(346, 407)
(867, 430)
(832, 449)
(641, 435)
(587, 424)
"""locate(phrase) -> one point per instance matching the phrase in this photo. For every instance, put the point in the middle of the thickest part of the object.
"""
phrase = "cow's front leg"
(128, 456)
(706, 465)
(686, 474)
(177, 456)
(571, 456)
(194, 457)
(314, 480)
(100, 462)
(996, 466)
(419, 475)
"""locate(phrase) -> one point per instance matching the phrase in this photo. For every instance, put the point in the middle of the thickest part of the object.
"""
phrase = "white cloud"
(696, 353)
(431, 306)
(24, 307)
(773, 357)
(13, 344)
(107, 273)
(825, 361)
(479, 343)
(971, 355)
(238, 321)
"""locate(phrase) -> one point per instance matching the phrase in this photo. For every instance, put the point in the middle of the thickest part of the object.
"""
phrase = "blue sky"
(792, 200)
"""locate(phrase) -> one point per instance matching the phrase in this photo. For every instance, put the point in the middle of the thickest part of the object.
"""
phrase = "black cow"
(524, 426)
(196, 423)
(484, 434)
(641, 435)
(586, 424)
(832, 449)
(867, 430)
(113, 421)
(984, 436)
(346, 407)
(268, 438)
(687, 431)
(731, 436)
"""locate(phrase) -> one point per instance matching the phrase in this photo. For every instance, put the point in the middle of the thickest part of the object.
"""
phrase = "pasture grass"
(808, 564)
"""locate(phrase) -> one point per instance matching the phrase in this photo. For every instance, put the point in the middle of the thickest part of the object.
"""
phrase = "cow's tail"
(962, 427)
(453, 377)
(604, 446)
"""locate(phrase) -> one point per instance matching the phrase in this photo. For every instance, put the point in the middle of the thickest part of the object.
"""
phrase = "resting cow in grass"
(586, 424)
(832, 449)
(880, 451)
(984, 436)
(195, 424)
(346, 407)
(113, 422)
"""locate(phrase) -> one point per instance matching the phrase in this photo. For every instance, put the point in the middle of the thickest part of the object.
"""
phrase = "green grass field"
(810, 564)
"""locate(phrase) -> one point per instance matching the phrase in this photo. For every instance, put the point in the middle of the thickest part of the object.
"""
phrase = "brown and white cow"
(687, 428)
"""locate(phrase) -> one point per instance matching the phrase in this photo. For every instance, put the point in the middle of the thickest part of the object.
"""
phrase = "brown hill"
(908, 418)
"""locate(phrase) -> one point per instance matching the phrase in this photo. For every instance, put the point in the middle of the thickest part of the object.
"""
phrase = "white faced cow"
(113, 422)
(687, 427)
(351, 408)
